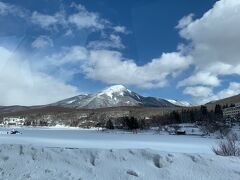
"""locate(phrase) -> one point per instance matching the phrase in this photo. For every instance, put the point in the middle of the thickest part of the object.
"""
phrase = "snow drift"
(30, 162)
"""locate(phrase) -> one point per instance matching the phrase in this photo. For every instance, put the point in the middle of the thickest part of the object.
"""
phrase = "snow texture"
(31, 162)
(117, 89)
(78, 138)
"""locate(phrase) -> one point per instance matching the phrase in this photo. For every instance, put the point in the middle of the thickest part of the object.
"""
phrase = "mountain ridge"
(113, 96)
(111, 93)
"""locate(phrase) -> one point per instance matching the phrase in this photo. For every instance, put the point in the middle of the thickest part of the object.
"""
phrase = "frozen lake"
(77, 138)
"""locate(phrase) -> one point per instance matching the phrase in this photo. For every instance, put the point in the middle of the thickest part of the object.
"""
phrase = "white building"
(13, 121)
(237, 105)
(232, 111)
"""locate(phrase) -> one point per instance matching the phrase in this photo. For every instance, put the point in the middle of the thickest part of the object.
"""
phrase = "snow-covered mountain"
(113, 96)
(179, 103)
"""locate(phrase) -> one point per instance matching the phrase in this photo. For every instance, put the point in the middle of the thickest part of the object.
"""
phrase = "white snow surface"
(71, 101)
(74, 154)
(120, 89)
(79, 138)
(30, 162)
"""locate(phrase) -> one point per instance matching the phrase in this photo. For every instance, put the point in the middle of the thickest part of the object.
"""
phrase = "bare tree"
(229, 147)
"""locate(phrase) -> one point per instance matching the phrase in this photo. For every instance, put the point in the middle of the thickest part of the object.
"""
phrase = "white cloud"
(85, 19)
(75, 54)
(120, 29)
(82, 20)
(185, 21)
(9, 9)
(214, 43)
(69, 32)
(202, 94)
(213, 48)
(80, 17)
(114, 41)
(19, 85)
(111, 67)
(199, 91)
(42, 42)
(200, 78)
(233, 89)
(48, 21)
(97, 62)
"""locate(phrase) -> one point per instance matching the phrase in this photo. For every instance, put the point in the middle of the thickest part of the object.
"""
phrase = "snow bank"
(30, 162)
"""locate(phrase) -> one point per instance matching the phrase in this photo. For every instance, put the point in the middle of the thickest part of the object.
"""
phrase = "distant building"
(13, 121)
(232, 111)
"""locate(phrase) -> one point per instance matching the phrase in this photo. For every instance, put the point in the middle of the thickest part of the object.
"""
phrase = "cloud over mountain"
(74, 40)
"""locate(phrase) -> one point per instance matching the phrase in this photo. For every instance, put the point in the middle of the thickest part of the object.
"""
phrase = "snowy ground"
(75, 138)
(27, 162)
(49, 153)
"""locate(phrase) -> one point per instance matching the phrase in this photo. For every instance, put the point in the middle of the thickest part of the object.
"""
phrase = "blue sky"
(175, 49)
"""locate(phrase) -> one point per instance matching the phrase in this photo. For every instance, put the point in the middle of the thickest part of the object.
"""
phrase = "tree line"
(209, 119)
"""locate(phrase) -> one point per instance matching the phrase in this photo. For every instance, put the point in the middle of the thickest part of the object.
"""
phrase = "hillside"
(229, 100)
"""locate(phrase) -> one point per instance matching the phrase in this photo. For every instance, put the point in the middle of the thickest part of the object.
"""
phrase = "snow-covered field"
(48, 153)
(75, 138)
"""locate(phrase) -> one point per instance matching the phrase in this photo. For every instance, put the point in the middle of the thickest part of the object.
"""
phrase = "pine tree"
(130, 123)
(109, 124)
(218, 112)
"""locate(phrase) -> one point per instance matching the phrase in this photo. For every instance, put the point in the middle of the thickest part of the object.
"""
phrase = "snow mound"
(29, 162)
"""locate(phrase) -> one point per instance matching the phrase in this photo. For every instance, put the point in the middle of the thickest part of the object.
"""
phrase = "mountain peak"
(116, 88)
(120, 89)
(113, 96)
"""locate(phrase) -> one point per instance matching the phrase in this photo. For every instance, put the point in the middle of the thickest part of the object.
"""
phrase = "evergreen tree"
(130, 123)
(203, 113)
(175, 116)
(218, 110)
(142, 124)
(192, 117)
(109, 124)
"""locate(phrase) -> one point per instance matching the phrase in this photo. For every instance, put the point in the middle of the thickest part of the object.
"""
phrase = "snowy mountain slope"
(31, 162)
(179, 103)
(113, 96)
